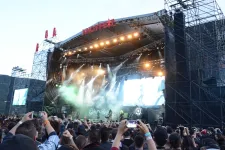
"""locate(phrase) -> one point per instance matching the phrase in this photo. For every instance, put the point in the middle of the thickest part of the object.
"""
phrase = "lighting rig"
(102, 44)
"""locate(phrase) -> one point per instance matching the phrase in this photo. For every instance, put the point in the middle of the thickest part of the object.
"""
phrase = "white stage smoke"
(80, 96)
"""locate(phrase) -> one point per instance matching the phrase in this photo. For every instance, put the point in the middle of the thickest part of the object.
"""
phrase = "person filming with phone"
(125, 125)
(23, 135)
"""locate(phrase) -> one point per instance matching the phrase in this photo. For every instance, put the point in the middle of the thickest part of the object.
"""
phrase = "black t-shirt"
(127, 142)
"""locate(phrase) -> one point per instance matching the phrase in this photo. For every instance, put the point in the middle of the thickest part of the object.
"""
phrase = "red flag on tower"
(46, 34)
(54, 32)
(37, 47)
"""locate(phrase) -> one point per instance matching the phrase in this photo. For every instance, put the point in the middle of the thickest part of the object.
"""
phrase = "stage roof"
(148, 25)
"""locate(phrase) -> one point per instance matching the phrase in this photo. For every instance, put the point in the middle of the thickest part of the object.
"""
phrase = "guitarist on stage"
(121, 115)
(109, 117)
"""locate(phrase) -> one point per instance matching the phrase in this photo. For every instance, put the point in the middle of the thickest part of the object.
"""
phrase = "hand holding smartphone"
(32, 115)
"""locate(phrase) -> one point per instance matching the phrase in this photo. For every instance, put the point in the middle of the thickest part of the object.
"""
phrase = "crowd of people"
(52, 133)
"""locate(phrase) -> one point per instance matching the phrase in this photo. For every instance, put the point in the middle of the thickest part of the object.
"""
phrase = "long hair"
(187, 143)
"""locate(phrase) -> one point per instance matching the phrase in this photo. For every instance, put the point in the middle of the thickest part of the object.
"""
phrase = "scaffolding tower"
(39, 75)
(203, 97)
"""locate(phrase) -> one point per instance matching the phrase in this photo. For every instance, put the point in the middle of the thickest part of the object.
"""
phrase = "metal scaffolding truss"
(145, 48)
(39, 68)
(205, 51)
(39, 74)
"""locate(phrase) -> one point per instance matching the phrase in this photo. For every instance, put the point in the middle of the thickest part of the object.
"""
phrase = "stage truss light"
(79, 50)
(114, 40)
(147, 65)
(101, 72)
(96, 46)
(107, 42)
(129, 36)
(91, 47)
(136, 34)
(70, 53)
(160, 73)
(85, 48)
(102, 43)
(122, 38)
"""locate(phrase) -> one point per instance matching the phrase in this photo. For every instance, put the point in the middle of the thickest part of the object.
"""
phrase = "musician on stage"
(98, 115)
(121, 115)
(109, 117)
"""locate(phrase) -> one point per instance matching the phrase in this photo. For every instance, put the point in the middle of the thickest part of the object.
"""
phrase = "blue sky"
(23, 22)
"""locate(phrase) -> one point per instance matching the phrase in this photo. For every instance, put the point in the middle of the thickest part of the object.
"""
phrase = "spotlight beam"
(72, 75)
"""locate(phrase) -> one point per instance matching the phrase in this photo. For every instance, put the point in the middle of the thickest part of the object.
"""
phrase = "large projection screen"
(20, 97)
(144, 92)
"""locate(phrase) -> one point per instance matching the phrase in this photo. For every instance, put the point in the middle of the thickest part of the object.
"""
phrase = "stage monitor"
(144, 92)
(20, 97)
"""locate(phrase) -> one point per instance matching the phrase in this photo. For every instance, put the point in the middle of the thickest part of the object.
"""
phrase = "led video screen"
(144, 92)
(20, 97)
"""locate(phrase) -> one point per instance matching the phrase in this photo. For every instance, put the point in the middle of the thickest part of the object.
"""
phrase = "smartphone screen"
(40, 114)
(32, 115)
(131, 123)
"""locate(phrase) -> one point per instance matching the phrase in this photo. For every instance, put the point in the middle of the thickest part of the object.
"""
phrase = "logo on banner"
(100, 26)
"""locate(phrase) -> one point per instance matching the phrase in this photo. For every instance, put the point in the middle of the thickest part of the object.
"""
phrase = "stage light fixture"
(102, 43)
(122, 38)
(138, 111)
(160, 73)
(96, 45)
(85, 48)
(114, 40)
(100, 72)
(129, 36)
(147, 65)
(91, 47)
(136, 34)
(107, 42)
(79, 50)
(70, 53)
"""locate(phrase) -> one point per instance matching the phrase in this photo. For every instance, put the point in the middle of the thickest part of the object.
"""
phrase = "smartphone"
(40, 114)
(131, 123)
(32, 115)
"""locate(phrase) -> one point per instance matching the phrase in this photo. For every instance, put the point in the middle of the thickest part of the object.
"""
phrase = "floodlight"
(96, 45)
(114, 40)
(122, 38)
(101, 72)
(160, 73)
(102, 43)
(129, 36)
(107, 42)
(136, 34)
(147, 65)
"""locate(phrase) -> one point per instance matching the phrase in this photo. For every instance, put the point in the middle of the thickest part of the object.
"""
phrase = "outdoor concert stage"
(116, 64)
(158, 67)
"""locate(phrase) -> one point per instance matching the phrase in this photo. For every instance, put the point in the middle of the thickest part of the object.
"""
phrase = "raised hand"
(27, 117)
